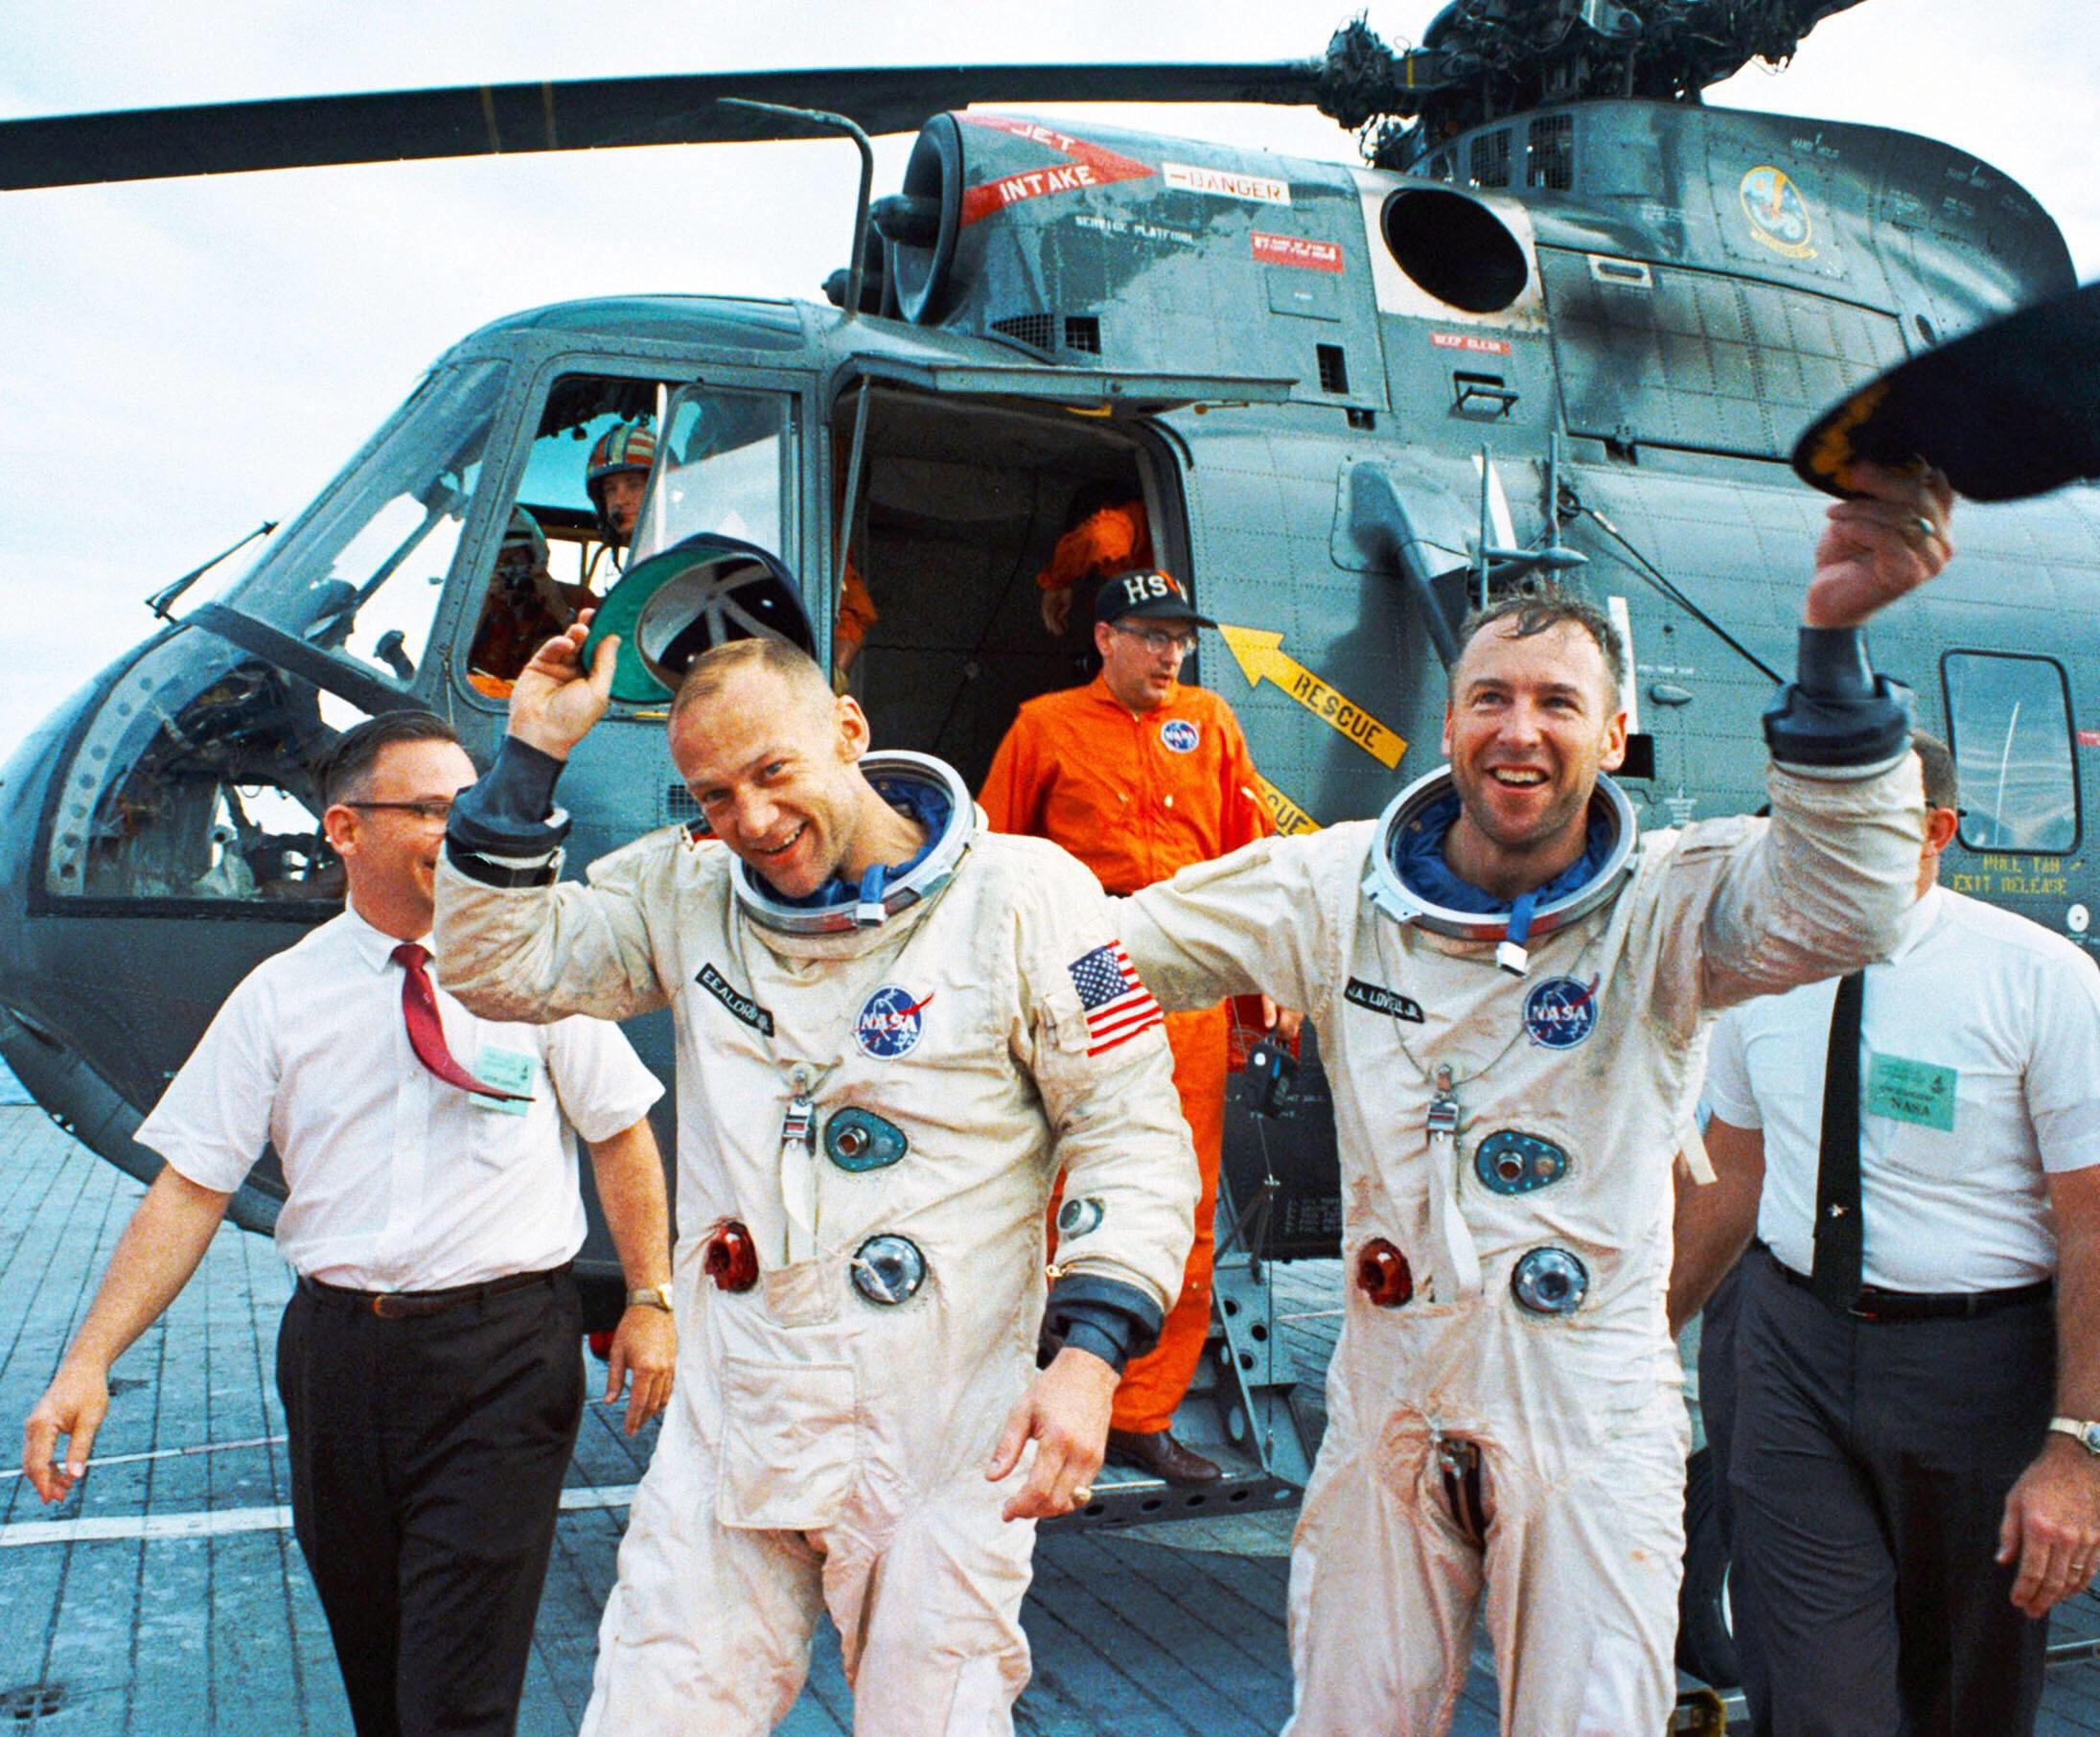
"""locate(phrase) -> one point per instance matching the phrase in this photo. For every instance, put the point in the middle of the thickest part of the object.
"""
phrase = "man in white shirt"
(1920, 1166)
(429, 1359)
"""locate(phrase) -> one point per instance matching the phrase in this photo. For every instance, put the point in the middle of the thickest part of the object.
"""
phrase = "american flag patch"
(1118, 1007)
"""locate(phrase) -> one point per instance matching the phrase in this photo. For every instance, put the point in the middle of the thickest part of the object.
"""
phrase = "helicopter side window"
(2009, 723)
(722, 467)
(191, 783)
(560, 546)
(362, 573)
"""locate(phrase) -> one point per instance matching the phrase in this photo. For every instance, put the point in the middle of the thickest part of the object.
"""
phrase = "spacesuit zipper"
(1459, 1463)
(798, 1166)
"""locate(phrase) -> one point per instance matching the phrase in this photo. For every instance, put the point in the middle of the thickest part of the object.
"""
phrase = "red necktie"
(426, 1031)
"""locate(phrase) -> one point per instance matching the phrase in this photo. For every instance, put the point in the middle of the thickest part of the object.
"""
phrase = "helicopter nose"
(129, 897)
(24, 799)
(64, 969)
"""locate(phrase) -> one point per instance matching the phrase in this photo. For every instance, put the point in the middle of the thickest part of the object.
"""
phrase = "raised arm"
(1826, 888)
(1255, 922)
(511, 942)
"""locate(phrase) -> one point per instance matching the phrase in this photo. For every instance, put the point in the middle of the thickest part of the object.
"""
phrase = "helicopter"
(1562, 324)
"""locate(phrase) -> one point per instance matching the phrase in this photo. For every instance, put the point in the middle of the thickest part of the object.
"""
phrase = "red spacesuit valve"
(732, 1260)
(1383, 1275)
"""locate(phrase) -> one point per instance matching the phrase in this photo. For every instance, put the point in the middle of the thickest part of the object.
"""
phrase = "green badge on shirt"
(1912, 1091)
(508, 1070)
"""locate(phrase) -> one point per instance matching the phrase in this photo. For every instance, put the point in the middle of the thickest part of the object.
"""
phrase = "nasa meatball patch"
(1180, 736)
(891, 1024)
(1560, 1012)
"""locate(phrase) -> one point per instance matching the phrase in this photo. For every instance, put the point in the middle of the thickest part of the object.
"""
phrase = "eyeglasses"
(1157, 640)
(435, 808)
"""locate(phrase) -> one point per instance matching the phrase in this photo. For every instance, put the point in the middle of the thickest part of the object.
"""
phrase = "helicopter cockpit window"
(2009, 723)
(722, 467)
(363, 574)
(563, 541)
(191, 783)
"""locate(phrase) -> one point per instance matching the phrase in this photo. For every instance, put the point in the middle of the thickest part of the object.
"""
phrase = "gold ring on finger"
(1081, 1494)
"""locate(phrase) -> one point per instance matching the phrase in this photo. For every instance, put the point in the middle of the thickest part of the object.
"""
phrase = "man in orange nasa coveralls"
(1138, 776)
(1107, 533)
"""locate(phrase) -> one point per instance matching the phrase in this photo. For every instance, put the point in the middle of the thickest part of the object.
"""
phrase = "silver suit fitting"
(888, 773)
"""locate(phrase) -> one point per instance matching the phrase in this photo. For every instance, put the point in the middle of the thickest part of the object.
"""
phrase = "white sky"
(185, 359)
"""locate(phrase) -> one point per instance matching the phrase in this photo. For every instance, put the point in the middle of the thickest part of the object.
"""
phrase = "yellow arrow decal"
(1289, 819)
(1261, 657)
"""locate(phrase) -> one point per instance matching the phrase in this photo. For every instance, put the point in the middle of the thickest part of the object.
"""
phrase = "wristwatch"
(659, 1296)
(2085, 1433)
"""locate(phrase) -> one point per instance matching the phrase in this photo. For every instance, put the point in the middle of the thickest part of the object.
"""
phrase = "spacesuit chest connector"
(932, 794)
(1418, 816)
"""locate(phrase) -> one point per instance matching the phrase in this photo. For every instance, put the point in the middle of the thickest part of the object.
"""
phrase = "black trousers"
(427, 1463)
(1718, 1384)
(1869, 1465)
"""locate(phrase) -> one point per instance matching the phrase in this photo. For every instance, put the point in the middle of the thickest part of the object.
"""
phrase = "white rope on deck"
(167, 1453)
(195, 1448)
(224, 1522)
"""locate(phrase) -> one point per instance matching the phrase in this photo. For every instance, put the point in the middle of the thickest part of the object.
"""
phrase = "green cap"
(691, 597)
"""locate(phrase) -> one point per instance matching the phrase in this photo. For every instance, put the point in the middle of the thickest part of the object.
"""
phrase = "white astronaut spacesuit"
(878, 1111)
(1504, 1399)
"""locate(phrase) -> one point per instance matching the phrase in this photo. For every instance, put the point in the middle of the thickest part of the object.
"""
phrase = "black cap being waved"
(1145, 595)
(2005, 411)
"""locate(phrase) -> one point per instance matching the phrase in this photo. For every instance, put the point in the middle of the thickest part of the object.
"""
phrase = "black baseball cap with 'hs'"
(1144, 596)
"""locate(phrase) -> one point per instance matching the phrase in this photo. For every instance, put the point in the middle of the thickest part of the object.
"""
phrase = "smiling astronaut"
(1510, 986)
(893, 1031)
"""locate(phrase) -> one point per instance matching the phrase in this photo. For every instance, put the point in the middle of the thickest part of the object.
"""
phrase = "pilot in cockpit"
(524, 607)
(618, 478)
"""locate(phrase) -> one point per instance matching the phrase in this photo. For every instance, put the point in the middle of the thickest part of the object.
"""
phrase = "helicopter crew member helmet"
(524, 544)
(627, 452)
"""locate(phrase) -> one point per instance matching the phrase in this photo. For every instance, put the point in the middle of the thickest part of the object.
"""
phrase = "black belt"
(1874, 1303)
(403, 1305)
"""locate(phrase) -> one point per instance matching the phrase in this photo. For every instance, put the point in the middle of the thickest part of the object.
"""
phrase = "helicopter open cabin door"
(951, 485)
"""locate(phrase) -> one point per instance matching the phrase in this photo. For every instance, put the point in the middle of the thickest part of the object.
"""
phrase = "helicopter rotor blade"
(585, 114)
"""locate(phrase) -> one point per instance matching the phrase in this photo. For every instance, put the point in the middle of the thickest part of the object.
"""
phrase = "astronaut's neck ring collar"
(1384, 887)
(898, 777)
